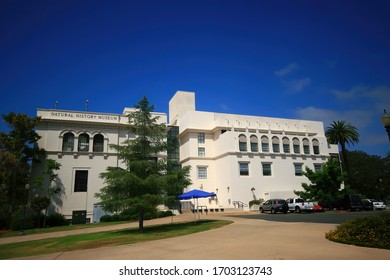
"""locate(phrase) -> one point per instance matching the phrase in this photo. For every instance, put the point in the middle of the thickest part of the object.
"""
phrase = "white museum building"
(239, 158)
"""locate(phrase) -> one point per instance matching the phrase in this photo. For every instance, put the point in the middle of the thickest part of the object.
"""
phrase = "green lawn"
(100, 239)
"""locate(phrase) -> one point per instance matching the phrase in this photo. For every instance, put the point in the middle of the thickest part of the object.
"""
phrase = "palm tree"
(341, 132)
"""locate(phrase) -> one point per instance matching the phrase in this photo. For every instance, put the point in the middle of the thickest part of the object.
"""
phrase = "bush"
(106, 218)
(56, 220)
(371, 231)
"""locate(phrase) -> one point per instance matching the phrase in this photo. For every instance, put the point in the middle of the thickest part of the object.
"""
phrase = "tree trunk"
(141, 220)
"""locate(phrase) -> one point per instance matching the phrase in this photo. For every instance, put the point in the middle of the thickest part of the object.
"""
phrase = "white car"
(378, 205)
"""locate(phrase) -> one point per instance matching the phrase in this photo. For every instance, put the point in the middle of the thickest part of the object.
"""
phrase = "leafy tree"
(370, 174)
(325, 183)
(145, 182)
(39, 203)
(342, 133)
(48, 190)
(17, 151)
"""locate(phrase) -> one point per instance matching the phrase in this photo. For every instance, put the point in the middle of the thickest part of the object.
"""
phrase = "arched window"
(275, 144)
(265, 144)
(306, 146)
(296, 144)
(67, 142)
(286, 145)
(98, 143)
(316, 147)
(83, 143)
(242, 143)
(254, 143)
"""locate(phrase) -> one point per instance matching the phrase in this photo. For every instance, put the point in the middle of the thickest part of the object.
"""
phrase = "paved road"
(328, 217)
(248, 238)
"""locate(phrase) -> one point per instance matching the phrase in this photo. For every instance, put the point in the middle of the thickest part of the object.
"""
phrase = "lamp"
(253, 189)
(385, 119)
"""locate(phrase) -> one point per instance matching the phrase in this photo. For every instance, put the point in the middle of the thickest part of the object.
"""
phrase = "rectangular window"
(202, 172)
(265, 147)
(276, 148)
(244, 169)
(201, 152)
(81, 181)
(296, 149)
(266, 169)
(286, 148)
(317, 167)
(254, 147)
(201, 138)
(306, 149)
(242, 146)
(316, 150)
(298, 169)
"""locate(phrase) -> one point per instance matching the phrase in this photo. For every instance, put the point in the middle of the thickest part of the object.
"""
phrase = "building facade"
(239, 158)
(80, 142)
(242, 158)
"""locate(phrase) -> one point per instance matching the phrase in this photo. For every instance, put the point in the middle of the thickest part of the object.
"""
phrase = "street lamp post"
(386, 122)
(27, 188)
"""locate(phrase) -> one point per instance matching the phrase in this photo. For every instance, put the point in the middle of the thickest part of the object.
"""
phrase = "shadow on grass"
(101, 239)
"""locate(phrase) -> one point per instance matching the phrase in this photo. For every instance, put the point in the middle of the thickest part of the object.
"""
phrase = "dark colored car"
(350, 202)
(274, 206)
(368, 204)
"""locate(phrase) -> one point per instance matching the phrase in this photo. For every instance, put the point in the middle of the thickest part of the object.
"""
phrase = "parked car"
(378, 205)
(298, 205)
(318, 208)
(368, 204)
(274, 206)
(350, 202)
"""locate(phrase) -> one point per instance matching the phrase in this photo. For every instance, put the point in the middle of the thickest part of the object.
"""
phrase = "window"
(286, 145)
(306, 146)
(316, 147)
(201, 138)
(266, 169)
(81, 181)
(98, 143)
(244, 169)
(275, 144)
(83, 143)
(242, 143)
(317, 167)
(296, 147)
(202, 172)
(201, 151)
(298, 169)
(254, 144)
(265, 144)
(67, 142)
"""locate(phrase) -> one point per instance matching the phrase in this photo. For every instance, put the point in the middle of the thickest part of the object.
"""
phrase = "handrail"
(239, 204)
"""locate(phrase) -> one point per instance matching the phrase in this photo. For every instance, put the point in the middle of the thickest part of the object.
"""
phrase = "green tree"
(370, 174)
(325, 183)
(48, 190)
(145, 182)
(342, 133)
(17, 150)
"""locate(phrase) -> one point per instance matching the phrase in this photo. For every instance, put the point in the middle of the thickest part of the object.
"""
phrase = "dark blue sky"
(316, 60)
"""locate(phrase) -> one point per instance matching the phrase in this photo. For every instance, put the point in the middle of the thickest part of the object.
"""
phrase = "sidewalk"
(245, 239)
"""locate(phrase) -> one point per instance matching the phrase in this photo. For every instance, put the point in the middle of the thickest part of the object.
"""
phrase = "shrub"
(371, 231)
(255, 202)
(106, 218)
(56, 219)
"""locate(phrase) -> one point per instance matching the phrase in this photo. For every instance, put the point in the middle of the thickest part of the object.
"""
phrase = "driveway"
(245, 239)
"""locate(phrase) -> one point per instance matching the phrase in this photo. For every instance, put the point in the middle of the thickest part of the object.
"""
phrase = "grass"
(11, 233)
(370, 231)
(100, 239)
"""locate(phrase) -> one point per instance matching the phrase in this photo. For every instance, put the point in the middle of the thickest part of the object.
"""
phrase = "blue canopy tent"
(195, 194)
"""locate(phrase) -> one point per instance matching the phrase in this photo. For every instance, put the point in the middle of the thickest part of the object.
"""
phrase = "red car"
(318, 208)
